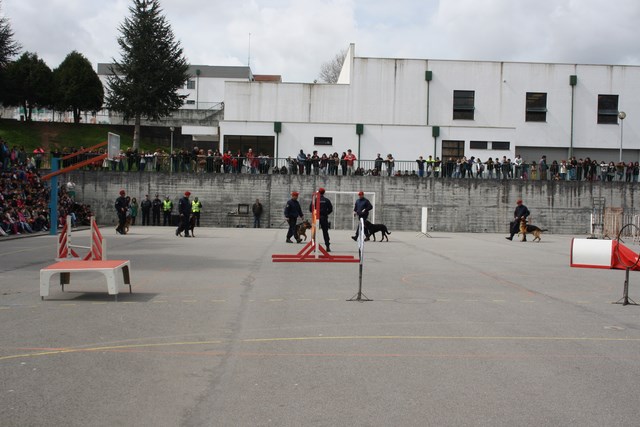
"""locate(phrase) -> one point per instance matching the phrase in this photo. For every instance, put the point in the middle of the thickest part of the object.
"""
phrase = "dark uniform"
(361, 209)
(519, 213)
(121, 209)
(156, 207)
(184, 209)
(256, 209)
(326, 208)
(292, 212)
(145, 206)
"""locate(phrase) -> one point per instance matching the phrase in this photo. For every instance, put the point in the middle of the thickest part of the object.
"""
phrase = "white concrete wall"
(390, 97)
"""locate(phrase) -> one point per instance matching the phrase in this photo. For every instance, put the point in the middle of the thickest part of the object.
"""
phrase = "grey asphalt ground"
(463, 330)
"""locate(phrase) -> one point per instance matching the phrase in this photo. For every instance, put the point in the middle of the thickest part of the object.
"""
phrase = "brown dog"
(301, 229)
(531, 229)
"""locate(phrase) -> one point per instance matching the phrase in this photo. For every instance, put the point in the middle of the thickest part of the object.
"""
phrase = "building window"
(608, 109)
(190, 102)
(191, 84)
(500, 145)
(454, 149)
(478, 145)
(463, 104)
(323, 140)
(536, 107)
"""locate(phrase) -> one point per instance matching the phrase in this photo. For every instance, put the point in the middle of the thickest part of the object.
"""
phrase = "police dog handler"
(326, 208)
(293, 211)
(521, 212)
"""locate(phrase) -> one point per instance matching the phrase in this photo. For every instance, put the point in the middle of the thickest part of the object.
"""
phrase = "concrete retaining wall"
(455, 205)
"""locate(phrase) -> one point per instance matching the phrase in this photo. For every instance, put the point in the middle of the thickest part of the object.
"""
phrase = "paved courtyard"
(463, 330)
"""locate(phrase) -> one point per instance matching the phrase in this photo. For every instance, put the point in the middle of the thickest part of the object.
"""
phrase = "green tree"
(8, 46)
(77, 86)
(145, 82)
(29, 83)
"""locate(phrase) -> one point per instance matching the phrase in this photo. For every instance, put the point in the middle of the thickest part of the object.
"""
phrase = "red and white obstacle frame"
(66, 250)
(315, 252)
(608, 254)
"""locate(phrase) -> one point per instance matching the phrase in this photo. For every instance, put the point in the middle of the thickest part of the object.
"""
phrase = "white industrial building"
(443, 108)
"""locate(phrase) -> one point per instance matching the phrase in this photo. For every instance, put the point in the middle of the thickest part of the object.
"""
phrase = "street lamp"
(621, 116)
(171, 152)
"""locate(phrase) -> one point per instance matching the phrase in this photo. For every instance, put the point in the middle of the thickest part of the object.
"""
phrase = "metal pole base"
(359, 297)
(421, 234)
(626, 301)
(625, 293)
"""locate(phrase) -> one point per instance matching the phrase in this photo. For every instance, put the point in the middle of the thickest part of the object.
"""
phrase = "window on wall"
(500, 145)
(454, 149)
(322, 140)
(478, 145)
(190, 102)
(536, 108)
(463, 104)
(608, 109)
(191, 84)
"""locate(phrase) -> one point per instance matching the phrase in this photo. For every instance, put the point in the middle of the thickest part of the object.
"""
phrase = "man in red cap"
(521, 212)
(326, 208)
(361, 210)
(293, 211)
(121, 209)
(184, 209)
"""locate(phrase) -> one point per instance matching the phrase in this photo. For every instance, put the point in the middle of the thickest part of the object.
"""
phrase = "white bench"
(111, 269)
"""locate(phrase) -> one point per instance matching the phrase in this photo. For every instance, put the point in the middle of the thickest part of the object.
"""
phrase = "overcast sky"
(294, 37)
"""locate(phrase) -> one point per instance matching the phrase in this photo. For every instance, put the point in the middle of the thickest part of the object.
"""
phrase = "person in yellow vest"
(196, 207)
(167, 207)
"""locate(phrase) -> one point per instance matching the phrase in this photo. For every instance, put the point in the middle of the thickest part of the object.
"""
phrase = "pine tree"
(145, 82)
(8, 46)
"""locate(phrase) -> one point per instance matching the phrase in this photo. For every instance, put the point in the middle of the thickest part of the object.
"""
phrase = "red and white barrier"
(66, 251)
(609, 254)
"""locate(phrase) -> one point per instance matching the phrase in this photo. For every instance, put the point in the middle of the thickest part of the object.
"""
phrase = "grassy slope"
(60, 135)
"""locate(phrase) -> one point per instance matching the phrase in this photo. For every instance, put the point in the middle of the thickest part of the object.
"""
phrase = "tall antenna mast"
(249, 58)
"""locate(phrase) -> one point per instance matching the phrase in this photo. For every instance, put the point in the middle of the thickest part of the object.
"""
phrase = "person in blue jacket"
(293, 211)
(361, 210)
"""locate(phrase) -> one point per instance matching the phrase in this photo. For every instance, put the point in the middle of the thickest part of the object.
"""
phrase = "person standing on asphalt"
(184, 209)
(326, 208)
(361, 209)
(256, 209)
(145, 207)
(521, 212)
(167, 207)
(292, 212)
(196, 208)
(156, 207)
(121, 209)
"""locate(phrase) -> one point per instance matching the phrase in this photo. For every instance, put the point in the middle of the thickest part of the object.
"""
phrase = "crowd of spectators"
(197, 160)
(24, 197)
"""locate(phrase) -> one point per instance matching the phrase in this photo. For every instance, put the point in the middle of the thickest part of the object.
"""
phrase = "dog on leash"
(371, 229)
(301, 229)
(190, 226)
(530, 229)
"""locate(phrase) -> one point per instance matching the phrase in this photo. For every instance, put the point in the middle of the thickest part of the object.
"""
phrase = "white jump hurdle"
(115, 271)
